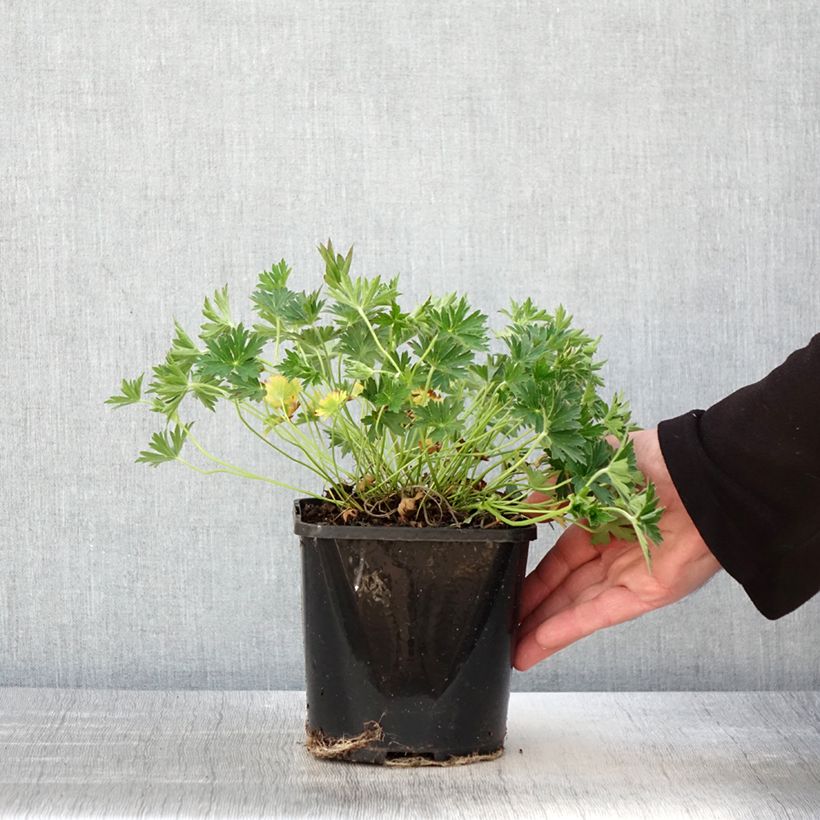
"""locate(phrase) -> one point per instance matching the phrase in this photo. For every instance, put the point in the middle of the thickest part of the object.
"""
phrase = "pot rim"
(368, 532)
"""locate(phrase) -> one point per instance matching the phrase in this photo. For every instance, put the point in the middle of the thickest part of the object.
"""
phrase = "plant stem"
(372, 330)
(270, 444)
(238, 471)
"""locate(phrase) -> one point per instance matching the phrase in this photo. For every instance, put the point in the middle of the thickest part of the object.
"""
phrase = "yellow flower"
(421, 398)
(283, 393)
(331, 403)
(334, 401)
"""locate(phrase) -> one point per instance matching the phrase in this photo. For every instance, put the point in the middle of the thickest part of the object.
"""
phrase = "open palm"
(579, 588)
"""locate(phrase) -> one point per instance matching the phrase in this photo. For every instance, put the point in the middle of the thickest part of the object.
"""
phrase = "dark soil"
(414, 507)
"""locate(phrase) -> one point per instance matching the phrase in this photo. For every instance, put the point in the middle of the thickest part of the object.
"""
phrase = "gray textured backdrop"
(652, 165)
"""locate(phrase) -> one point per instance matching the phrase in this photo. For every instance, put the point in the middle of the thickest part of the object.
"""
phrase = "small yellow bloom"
(356, 390)
(419, 397)
(331, 403)
(283, 393)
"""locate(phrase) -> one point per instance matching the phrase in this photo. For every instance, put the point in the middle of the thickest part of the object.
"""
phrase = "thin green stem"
(270, 444)
(376, 339)
(238, 471)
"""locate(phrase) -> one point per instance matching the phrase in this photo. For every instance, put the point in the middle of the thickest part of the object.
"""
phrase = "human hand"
(579, 588)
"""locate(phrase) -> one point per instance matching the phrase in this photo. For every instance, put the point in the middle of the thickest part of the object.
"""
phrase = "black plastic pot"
(408, 638)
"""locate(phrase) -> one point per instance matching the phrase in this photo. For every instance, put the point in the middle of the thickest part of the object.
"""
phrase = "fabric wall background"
(651, 165)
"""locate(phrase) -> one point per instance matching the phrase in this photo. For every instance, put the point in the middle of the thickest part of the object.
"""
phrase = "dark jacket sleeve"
(748, 472)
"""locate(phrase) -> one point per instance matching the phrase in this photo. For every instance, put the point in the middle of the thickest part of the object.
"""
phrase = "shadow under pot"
(409, 639)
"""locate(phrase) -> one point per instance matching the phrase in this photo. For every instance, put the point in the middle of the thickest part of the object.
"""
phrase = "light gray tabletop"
(223, 754)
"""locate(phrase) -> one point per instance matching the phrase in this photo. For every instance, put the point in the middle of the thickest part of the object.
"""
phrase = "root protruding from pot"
(323, 747)
(339, 748)
(455, 760)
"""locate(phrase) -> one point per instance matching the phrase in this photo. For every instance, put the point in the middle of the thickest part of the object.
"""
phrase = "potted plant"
(429, 441)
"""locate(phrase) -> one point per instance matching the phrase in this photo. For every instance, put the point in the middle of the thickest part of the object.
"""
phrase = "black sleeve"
(748, 472)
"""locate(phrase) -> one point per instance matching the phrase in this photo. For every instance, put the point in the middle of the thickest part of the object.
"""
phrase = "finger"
(571, 550)
(575, 587)
(566, 593)
(613, 605)
(556, 601)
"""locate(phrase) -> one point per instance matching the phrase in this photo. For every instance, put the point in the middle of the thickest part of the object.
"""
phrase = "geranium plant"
(407, 416)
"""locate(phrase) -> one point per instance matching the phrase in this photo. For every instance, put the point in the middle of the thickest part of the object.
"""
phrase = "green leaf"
(170, 386)
(300, 365)
(387, 391)
(616, 416)
(309, 357)
(130, 393)
(355, 297)
(283, 309)
(337, 267)
(377, 423)
(164, 446)
(279, 308)
(622, 471)
(400, 326)
(597, 455)
(232, 356)
(648, 512)
(448, 358)
(309, 308)
(274, 279)
(525, 313)
(217, 313)
(357, 343)
(184, 351)
(317, 338)
(566, 439)
(452, 318)
(439, 419)
(207, 390)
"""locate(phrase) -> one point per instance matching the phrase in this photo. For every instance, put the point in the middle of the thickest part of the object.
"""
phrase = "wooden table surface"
(241, 754)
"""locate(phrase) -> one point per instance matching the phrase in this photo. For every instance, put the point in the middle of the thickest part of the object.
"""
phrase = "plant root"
(323, 747)
(331, 748)
(455, 760)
